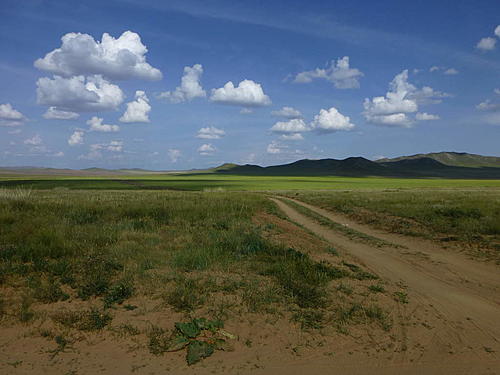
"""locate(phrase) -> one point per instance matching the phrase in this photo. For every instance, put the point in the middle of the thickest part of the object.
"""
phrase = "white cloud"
(14, 131)
(190, 87)
(79, 93)
(174, 154)
(53, 113)
(292, 137)
(339, 73)
(497, 31)
(114, 146)
(59, 154)
(76, 138)
(287, 112)
(451, 71)
(291, 126)
(497, 91)
(246, 111)
(487, 105)
(434, 68)
(486, 44)
(36, 140)
(206, 149)
(7, 112)
(96, 124)
(424, 116)
(331, 120)
(10, 116)
(247, 94)
(138, 110)
(210, 132)
(96, 150)
(400, 101)
(275, 148)
(119, 59)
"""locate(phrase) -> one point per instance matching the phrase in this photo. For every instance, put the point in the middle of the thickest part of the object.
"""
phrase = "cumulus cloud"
(174, 154)
(339, 73)
(53, 113)
(488, 105)
(138, 110)
(247, 94)
(118, 59)
(275, 148)
(292, 137)
(497, 31)
(402, 100)
(36, 140)
(96, 124)
(10, 116)
(96, 150)
(76, 138)
(79, 93)
(287, 112)
(451, 71)
(424, 116)
(210, 132)
(331, 120)
(190, 87)
(486, 44)
(206, 149)
(291, 126)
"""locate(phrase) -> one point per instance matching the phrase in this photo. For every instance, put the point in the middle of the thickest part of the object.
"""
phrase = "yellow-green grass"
(200, 182)
(469, 218)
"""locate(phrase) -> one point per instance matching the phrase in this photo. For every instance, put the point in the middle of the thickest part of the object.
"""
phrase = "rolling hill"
(455, 159)
(359, 167)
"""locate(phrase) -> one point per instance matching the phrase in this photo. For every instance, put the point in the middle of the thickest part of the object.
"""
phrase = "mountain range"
(437, 165)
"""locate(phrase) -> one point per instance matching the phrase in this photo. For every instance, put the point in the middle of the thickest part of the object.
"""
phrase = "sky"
(176, 85)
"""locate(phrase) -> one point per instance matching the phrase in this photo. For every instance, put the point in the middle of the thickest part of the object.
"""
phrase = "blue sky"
(311, 79)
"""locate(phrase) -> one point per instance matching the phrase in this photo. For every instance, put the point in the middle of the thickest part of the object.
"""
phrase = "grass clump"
(118, 293)
(186, 294)
(89, 320)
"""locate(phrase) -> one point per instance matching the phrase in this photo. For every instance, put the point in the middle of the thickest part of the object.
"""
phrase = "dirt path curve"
(456, 300)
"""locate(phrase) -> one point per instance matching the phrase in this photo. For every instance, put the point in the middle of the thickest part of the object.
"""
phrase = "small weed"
(118, 293)
(309, 318)
(344, 288)
(25, 312)
(186, 295)
(376, 288)
(90, 320)
(333, 251)
(47, 291)
(201, 337)
(401, 297)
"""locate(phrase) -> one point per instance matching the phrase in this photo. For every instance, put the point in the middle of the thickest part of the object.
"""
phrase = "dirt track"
(455, 298)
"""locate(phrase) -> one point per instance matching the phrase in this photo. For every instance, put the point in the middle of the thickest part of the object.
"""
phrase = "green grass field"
(200, 182)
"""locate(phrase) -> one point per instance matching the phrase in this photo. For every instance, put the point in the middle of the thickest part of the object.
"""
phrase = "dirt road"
(455, 299)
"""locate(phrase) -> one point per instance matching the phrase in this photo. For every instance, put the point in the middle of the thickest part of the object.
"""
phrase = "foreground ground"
(94, 281)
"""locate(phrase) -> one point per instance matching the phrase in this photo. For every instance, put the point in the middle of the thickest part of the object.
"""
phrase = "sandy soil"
(457, 297)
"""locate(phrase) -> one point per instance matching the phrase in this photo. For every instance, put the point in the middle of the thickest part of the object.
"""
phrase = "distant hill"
(455, 159)
(360, 167)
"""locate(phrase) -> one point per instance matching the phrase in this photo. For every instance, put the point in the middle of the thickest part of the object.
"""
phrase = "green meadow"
(200, 182)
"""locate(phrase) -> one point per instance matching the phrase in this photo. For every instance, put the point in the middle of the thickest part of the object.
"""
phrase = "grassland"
(77, 261)
(211, 181)
(468, 219)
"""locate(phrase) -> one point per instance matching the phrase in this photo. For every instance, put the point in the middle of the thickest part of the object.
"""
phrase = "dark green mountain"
(361, 167)
(456, 159)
